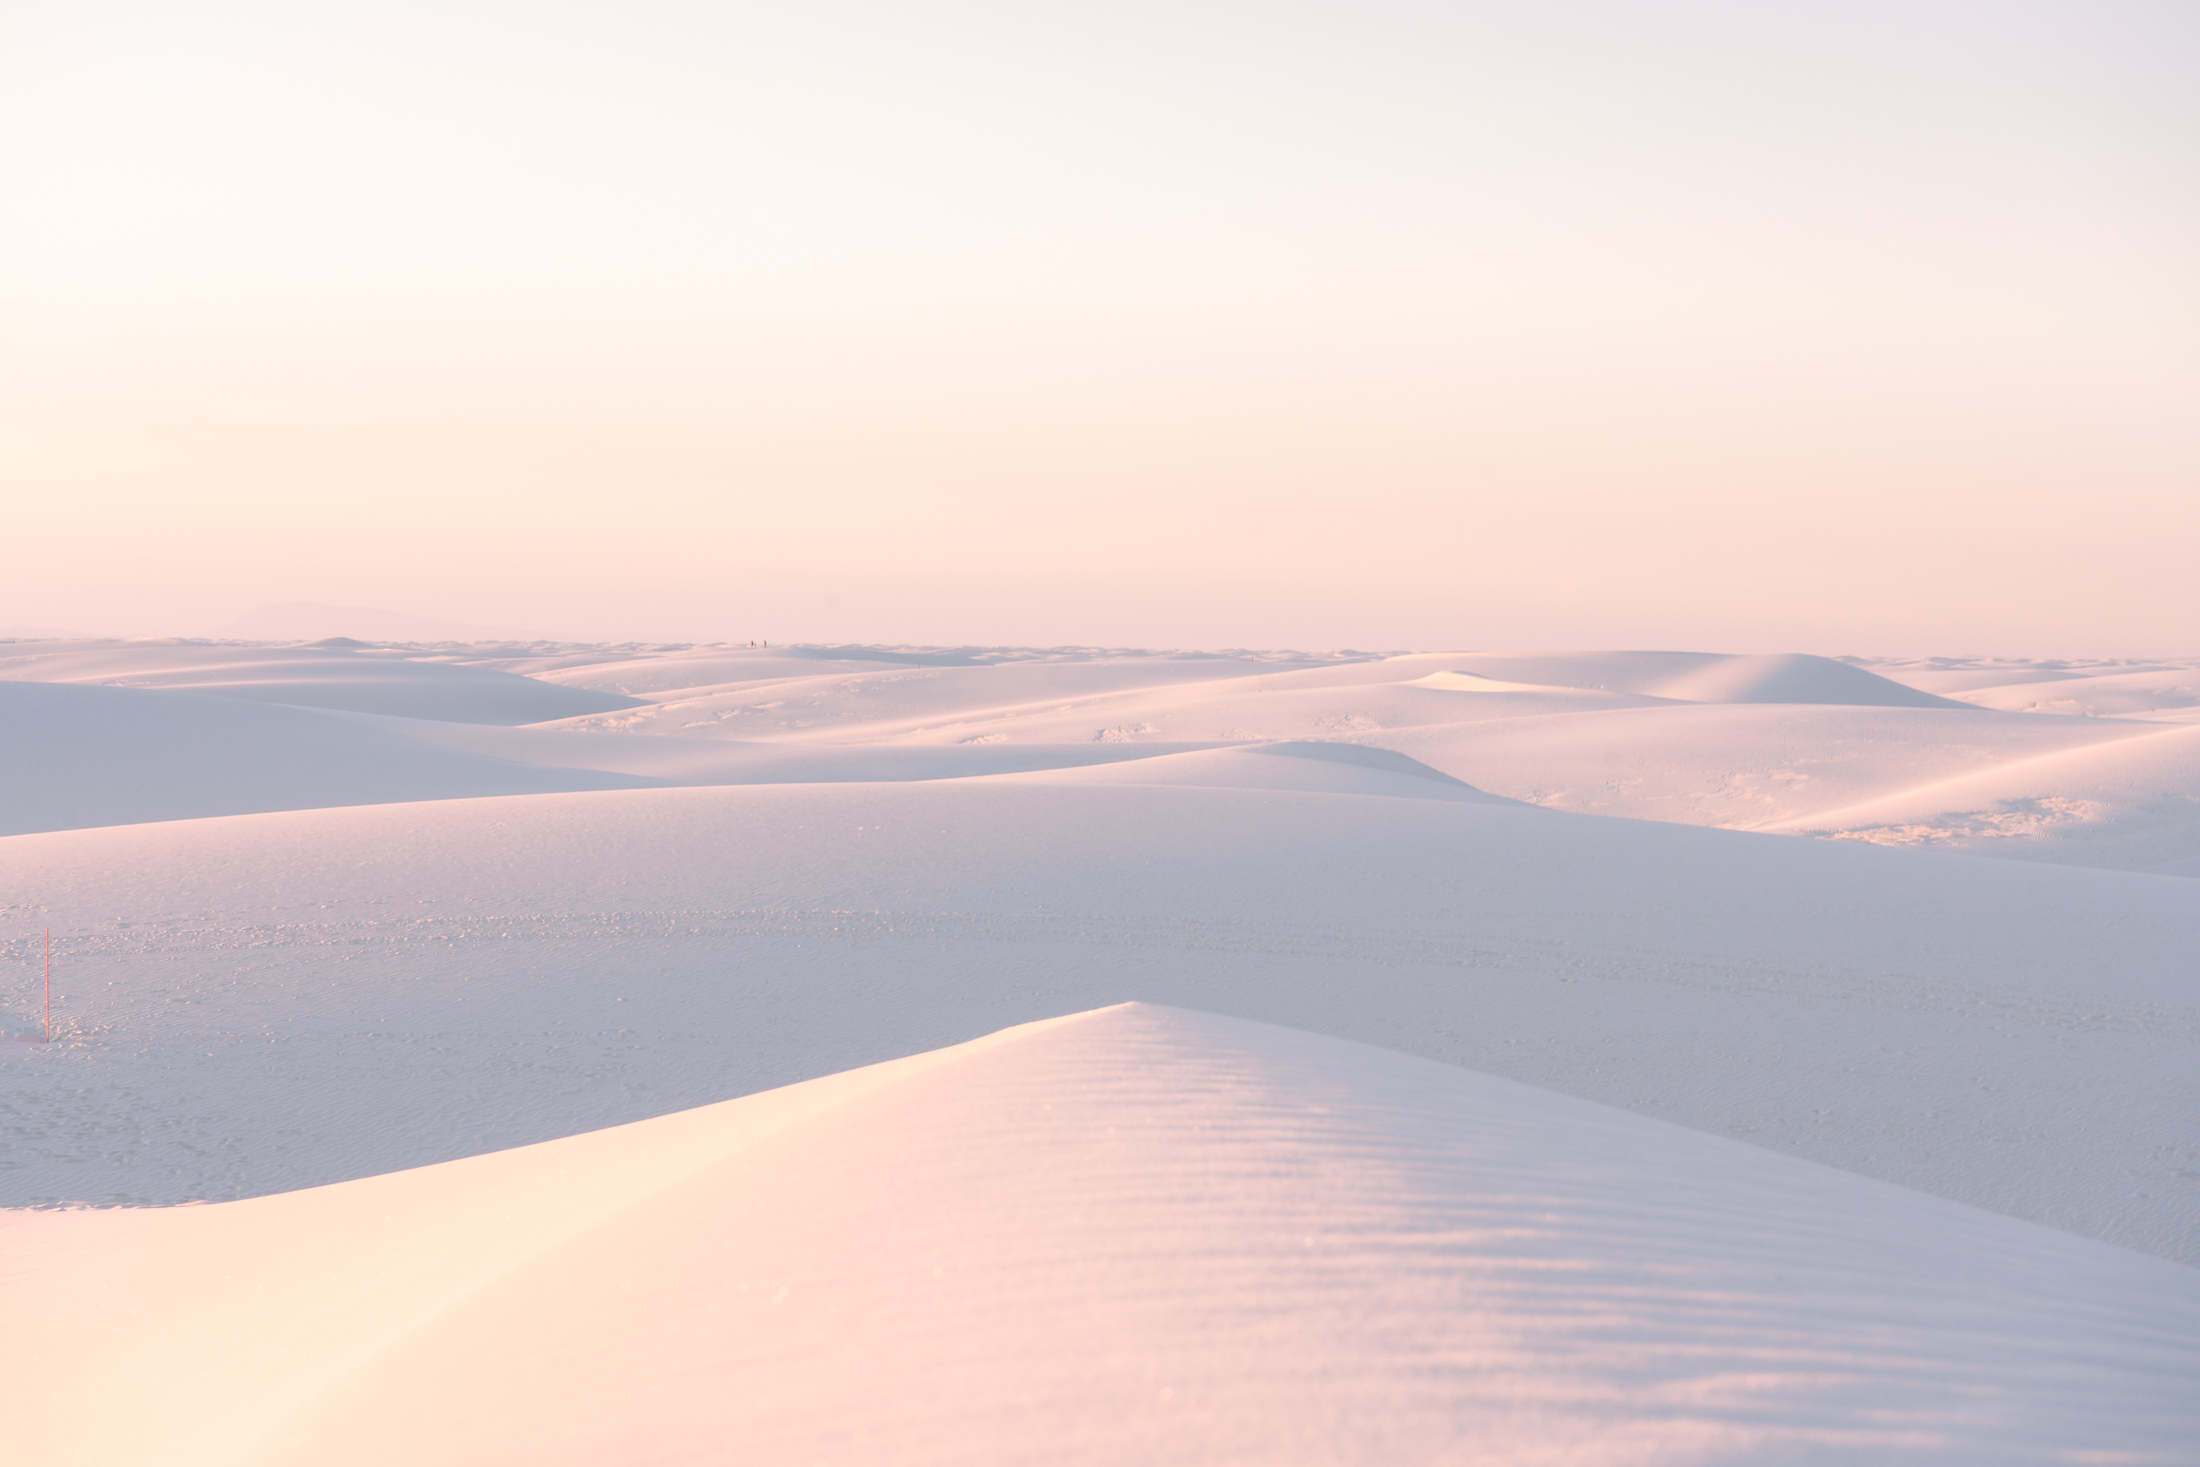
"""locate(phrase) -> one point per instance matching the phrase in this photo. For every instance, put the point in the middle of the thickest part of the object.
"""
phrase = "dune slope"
(1788, 743)
(337, 673)
(2132, 804)
(1133, 1235)
(86, 756)
(264, 1002)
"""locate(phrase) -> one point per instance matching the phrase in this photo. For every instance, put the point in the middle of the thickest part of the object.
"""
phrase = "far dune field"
(470, 1053)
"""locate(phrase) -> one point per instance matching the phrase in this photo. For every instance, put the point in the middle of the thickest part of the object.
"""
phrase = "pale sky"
(1859, 327)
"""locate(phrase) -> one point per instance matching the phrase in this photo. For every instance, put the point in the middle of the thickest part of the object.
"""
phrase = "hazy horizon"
(1862, 329)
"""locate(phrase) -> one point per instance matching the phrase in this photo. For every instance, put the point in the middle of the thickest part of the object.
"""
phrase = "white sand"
(1964, 1084)
(333, 674)
(1134, 1235)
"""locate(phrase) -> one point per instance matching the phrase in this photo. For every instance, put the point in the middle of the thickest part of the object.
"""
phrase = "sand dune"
(1739, 766)
(732, 761)
(654, 674)
(928, 703)
(1132, 1235)
(1221, 700)
(1556, 699)
(559, 1033)
(2108, 688)
(1303, 767)
(2132, 804)
(2108, 695)
(1686, 737)
(1955, 676)
(1697, 677)
(1333, 766)
(82, 756)
(1775, 743)
(333, 674)
(272, 1001)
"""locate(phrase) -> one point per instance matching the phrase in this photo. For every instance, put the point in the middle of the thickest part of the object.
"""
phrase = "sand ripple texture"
(1133, 1235)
